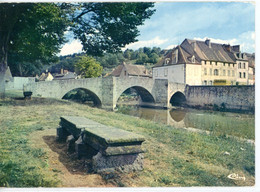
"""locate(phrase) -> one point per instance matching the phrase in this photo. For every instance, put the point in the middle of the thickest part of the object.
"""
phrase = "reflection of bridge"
(106, 91)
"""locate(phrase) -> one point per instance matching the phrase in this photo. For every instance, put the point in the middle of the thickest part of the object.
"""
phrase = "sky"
(223, 22)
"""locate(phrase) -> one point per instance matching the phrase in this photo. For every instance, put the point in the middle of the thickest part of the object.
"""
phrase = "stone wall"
(108, 93)
(241, 98)
(17, 83)
(57, 89)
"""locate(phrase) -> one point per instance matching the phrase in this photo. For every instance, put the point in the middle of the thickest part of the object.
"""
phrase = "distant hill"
(143, 56)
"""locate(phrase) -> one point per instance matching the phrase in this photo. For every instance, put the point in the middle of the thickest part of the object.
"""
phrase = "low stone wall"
(17, 83)
(110, 149)
(226, 98)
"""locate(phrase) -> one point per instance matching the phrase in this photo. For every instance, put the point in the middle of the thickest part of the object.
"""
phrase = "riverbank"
(30, 156)
(240, 125)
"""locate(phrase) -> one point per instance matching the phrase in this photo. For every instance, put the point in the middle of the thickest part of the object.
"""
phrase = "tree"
(88, 67)
(30, 32)
(40, 38)
(9, 15)
(128, 53)
(142, 58)
(107, 27)
(154, 58)
(147, 51)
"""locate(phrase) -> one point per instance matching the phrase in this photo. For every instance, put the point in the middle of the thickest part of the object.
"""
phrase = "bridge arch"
(83, 94)
(144, 94)
(177, 99)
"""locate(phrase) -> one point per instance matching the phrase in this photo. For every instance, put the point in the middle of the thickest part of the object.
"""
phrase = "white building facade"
(205, 63)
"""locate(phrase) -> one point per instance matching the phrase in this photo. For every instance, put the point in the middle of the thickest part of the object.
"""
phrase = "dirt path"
(69, 169)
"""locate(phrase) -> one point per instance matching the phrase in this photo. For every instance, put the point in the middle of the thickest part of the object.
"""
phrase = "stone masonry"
(109, 148)
(232, 98)
(106, 91)
(154, 93)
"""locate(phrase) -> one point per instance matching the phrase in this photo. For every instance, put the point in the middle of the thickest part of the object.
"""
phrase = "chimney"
(236, 48)
(193, 44)
(208, 43)
(175, 55)
(227, 47)
(61, 71)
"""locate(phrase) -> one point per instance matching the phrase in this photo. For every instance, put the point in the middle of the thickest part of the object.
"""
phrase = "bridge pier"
(154, 93)
(108, 93)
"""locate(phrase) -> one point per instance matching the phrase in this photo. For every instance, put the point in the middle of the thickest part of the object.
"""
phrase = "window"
(228, 72)
(205, 62)
(224, 72)
(216, 63)
(233, 73)
(210, 83)
(244, 75)
(244, 65)
(193, 59)
(165, 72)
(210, 63)
(239, 66)
(166, 61)
(205, 71)
(229, 64)
(210, 71)
(205, 82)
(216, 72)
(224, 64)
(240, 75)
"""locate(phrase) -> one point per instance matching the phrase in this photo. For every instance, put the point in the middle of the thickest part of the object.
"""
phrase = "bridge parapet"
(152, 92)
(57, 89)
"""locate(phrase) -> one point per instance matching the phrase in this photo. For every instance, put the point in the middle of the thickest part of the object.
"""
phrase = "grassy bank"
(174, 157)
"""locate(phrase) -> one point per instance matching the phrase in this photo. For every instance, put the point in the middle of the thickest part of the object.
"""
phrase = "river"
(219, 123)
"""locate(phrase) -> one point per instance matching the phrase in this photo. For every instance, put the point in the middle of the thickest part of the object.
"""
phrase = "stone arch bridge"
(106, 91)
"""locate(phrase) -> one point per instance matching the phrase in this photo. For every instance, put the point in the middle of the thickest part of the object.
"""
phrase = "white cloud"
(246, 41)
(171, 46)
(71, 47)
(220, 41)
(155, 42)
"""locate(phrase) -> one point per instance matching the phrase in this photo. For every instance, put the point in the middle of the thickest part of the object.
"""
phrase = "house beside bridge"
(196, 62)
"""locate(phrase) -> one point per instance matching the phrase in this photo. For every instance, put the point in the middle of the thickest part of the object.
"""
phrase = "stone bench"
(114, 149)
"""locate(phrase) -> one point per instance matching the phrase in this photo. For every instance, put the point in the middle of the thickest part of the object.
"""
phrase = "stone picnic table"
(114, 149)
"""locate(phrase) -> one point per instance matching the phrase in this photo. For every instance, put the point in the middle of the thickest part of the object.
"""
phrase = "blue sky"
(222, 22)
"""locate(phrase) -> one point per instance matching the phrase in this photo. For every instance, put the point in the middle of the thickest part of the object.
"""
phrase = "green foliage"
(65, 62)
(109, 61)
(31, 33)
(108, 27)
(36, 36)
(88, 67)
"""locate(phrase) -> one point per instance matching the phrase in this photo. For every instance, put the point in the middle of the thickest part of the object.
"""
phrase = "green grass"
(174, 157)
(21, 165)
(223, 123)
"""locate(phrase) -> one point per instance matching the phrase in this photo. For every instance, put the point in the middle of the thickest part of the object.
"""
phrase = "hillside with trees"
(143, 56)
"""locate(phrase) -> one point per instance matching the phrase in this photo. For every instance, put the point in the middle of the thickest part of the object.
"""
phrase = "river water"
(219, 123)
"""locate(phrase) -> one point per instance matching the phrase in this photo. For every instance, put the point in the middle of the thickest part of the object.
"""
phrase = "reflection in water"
(221, 123)
(178, 114)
